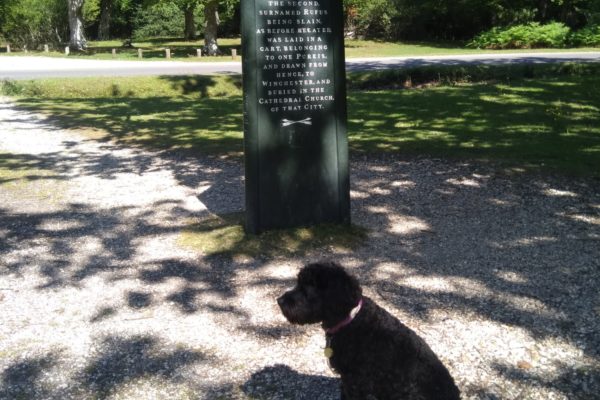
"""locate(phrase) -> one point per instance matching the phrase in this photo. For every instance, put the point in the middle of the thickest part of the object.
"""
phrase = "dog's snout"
(280, 300)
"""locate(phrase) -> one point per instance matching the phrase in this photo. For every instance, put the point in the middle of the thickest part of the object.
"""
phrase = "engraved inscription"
(294, 56)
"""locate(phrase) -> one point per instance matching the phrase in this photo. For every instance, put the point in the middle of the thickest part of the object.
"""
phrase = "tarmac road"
(14, 67)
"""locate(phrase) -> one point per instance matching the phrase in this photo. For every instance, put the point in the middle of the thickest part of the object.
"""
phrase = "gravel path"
(500, 274)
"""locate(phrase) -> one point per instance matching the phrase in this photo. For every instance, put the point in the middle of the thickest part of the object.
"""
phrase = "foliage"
(445, 19)
(163, 19)
(91, 11)
(462, 19)
(528, 36)
(369, 18)
(588, 36)
(33, 23)
(229, 14)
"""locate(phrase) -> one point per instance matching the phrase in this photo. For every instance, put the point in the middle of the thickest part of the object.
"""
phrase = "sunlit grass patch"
(28, 178)
(124, 88)
(225, 235)
(549, 122)
(529, 123)
(15, 171)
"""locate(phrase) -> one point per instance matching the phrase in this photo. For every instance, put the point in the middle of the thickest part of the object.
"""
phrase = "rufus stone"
(295, 140)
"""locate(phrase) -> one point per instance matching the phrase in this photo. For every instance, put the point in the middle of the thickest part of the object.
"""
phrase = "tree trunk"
(211, 15)
(106, 7)
(76, 37)
(542, 10)
(190, 25)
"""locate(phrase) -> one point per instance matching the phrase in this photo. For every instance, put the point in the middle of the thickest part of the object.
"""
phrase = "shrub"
(163, 19)
(588, 36)
(525, 36)
(369, 18)
(33, 23)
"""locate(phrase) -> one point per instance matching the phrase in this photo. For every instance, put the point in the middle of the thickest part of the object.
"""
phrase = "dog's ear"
(341, 293)
(322, 280)
(317, 275)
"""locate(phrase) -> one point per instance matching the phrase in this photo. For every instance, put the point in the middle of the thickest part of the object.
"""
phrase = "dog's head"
(324, 292)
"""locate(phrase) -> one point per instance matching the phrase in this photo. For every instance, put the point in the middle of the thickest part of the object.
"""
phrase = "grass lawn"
(553, 123)
(225, 234)
(369, 48)
(547, 123)
(186, 50)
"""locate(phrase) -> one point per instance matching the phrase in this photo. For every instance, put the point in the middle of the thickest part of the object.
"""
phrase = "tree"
(189, 31)
(76, 36)
(211, 17)
(188, 7)
(33, 23)
(106, 9)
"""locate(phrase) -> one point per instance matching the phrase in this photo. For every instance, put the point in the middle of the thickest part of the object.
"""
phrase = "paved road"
(46, 67)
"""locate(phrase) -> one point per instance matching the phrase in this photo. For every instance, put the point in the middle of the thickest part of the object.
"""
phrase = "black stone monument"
(295, 140)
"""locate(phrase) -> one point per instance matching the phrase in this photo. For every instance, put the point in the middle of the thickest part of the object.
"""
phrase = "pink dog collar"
(347, 321)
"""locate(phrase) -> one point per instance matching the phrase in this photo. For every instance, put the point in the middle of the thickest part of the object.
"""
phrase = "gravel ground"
(498, 272)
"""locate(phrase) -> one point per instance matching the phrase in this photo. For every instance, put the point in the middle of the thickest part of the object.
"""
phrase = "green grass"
(553, 123)
(199, 113)
(132, 87)
(28, 178)
(153, 50)
(225, 235)
(16, 173)
(370, 48)
(186, 50)
(549, 123)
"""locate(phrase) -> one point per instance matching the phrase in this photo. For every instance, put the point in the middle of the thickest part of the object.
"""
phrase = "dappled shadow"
(586, 378)
(520, 123)
(547, 123)
(125, 359)
(522, 251)
(62, 237)
(273, 332)
(188, 85)
(20, 380)
(118, 361)
(280, 381)
(207, 127)
(515, 250)
(224, 235)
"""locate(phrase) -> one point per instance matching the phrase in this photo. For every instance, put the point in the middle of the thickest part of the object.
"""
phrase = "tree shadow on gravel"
(282, 382)
(585, 378)
(113, 234)
(446, 238)
(127, 359)
(20, 380)
(119, 361)
(518, 250)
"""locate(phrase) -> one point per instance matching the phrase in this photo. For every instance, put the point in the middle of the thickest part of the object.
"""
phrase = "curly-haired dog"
(376, 355)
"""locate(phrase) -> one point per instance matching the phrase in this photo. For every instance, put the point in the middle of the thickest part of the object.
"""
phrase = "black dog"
(377, 356)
